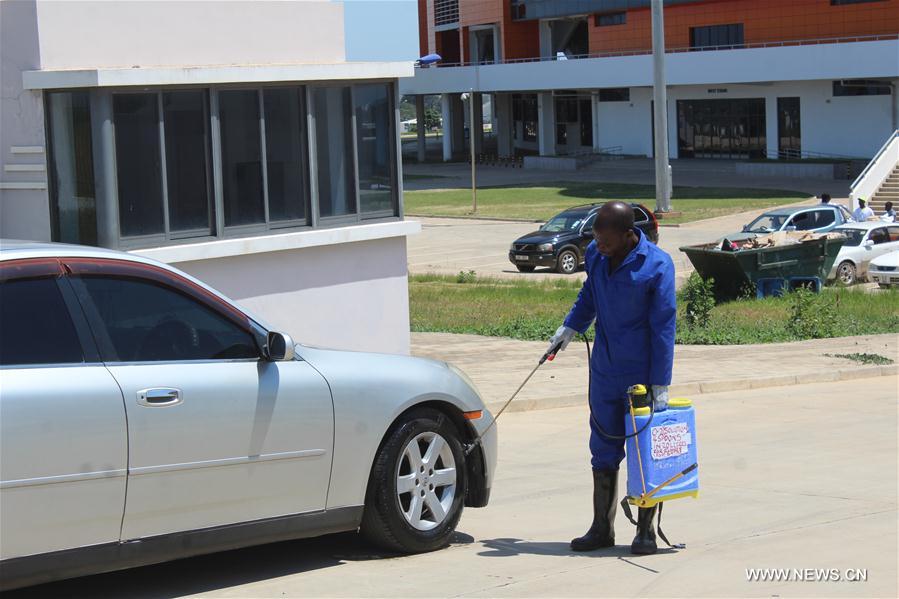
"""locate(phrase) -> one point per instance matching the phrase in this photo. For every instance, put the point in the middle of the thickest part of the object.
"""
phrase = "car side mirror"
(279, 347)
(869, 243)
(587, 232)
(746, 228)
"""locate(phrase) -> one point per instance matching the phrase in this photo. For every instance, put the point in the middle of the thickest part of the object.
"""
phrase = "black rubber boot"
(645, 541)
(605, 504)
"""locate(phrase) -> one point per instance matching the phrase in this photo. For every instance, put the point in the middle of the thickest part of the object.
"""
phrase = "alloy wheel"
(426, 481)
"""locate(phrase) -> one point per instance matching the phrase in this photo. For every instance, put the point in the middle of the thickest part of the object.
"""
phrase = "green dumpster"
(734, 271)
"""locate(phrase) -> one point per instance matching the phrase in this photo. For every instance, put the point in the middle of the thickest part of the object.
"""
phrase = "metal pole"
(474, 190)
(660, 110)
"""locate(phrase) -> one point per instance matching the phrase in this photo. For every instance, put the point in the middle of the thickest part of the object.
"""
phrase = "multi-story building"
(252, 144)
(746, 78)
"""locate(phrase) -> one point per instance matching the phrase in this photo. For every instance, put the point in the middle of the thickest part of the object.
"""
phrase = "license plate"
(522, 258)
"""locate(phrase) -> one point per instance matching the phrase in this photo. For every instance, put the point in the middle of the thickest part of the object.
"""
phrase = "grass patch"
(876, 359)
(546, 200)
(532, 310)
(412, 177)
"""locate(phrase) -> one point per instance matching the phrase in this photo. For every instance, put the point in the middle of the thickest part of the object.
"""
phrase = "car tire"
(525, 268)
(404, 497)
(567, 263)
(847, 273)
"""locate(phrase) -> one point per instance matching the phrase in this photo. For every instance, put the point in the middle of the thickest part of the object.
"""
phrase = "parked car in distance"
(884, 270)
(561, 242)
(864, 242)
(819, 219)
(126, 378)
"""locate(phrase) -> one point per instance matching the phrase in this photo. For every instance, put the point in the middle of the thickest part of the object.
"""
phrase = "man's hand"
(660, 397)
(564, 335)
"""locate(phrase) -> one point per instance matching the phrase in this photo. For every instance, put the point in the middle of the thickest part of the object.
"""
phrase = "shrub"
(699, 297)
(812, 315)
(466, 277)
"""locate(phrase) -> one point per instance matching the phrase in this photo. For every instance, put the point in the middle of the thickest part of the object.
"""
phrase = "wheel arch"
(477, 491)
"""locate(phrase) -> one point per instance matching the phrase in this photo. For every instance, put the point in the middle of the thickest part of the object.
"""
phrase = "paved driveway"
(795, 478)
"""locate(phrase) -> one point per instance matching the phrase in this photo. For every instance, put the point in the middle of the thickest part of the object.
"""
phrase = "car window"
(146, 321)
(588, 224)
(35, 326)
(879, 235)
(824, 218)
(563, 222)
(766, 223)
(640, 216)
(893, 232)
(853, 236)
(803, 221)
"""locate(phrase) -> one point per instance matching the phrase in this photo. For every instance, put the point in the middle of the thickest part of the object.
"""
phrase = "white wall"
(91, 33)
(345, 296)
(24, 213)
(627, 124)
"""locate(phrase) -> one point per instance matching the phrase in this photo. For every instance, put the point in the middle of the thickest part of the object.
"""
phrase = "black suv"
(561, 242)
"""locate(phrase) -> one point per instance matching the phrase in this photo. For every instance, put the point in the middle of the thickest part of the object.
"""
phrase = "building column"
(457, 107)
(446, 126)
(502, 113)
(594, 111)
(477, 135)
(546, 124)
(673, 149)
(895, 89)
(771, 145)
(420, 126)
(103, 148)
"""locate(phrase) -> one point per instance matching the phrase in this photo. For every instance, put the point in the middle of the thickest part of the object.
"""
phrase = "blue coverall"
(634, 308)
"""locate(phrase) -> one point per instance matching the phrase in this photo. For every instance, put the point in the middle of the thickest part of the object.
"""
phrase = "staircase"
(879, 181)
(887, 192)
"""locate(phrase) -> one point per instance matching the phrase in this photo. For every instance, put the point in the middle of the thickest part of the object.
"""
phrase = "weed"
(864, 358)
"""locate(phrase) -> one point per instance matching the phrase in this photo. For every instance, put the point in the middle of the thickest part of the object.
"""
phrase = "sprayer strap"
(662, 534)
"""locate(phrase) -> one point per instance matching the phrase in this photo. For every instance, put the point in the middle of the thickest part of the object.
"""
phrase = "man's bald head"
(614, 216)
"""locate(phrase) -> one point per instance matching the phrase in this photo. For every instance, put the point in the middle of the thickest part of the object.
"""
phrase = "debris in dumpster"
(779, 239)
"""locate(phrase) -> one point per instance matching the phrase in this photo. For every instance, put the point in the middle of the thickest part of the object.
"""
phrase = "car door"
(881, 243)
(825, 220)
(217, 435)
(586, 233)
(63, 445)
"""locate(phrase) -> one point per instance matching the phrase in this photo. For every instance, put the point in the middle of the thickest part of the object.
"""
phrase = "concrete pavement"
(450, 245)
(498, 365)
(792, 478)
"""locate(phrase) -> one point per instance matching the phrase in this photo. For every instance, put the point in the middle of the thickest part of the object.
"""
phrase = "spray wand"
(549, 356)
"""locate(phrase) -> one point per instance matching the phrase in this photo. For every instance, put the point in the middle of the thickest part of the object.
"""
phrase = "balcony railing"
(446, 12)
(642, 51)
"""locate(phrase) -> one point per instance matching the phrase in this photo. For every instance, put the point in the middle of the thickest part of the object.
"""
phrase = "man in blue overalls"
(629, 293)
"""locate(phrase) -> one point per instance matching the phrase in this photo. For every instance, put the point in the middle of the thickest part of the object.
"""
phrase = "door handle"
(159, 397)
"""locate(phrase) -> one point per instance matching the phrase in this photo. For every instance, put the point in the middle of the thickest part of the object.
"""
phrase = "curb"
(688, 389)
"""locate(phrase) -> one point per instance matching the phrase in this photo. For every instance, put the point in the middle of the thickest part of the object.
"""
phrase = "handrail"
(644, 51)
(873, 161)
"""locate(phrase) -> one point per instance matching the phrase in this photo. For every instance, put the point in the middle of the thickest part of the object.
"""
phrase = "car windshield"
(767, 223)
(563, 222)
(853, 236)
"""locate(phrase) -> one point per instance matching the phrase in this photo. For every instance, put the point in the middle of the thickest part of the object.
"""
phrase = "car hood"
(361, 373)
(891, 259)
(542, 237)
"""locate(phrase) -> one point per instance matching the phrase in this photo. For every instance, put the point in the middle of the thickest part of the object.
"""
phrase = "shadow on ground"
(510, 547)
(219, 570)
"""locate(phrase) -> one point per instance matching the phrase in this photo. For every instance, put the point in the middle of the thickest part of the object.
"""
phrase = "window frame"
(106, 176)
(171, 281)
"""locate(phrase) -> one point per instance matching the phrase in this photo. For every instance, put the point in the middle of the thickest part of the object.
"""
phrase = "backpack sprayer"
(670, 468)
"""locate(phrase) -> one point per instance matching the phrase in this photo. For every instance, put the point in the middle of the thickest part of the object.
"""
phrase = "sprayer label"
(670, 440)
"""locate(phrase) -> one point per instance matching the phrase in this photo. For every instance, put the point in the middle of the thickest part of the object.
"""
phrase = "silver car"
(144, 417)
